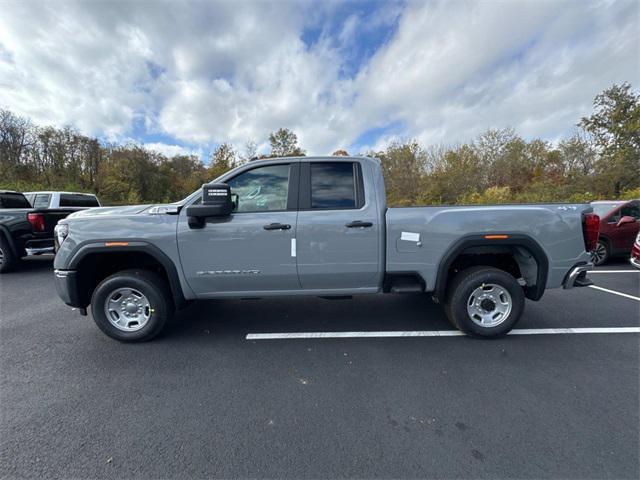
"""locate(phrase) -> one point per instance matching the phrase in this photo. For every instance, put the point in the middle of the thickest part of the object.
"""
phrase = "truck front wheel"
(484, 302)
(131, 305)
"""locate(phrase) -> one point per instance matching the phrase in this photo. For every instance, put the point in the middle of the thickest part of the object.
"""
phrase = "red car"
(635, 253)
(619, 226)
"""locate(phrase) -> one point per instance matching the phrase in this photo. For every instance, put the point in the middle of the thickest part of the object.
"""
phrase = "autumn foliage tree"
(601, 159)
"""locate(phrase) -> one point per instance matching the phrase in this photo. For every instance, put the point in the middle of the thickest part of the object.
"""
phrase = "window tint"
(332, 185)
(77, 200)
(261, 189)
(13, 200)
(41, 200)
(632, 210)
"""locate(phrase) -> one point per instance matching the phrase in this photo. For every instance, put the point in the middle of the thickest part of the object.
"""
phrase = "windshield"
(602, 209)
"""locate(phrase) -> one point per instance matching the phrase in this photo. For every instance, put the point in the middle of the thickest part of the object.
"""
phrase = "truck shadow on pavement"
(37, 263)
(307, 314)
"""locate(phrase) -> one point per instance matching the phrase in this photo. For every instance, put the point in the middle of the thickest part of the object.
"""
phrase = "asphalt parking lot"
(204, 401)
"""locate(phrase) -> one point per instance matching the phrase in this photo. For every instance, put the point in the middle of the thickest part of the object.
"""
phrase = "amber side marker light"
(496, 237)
(116, 244)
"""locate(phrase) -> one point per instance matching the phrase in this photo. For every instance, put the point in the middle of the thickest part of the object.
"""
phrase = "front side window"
(333, 185)
(261, 189)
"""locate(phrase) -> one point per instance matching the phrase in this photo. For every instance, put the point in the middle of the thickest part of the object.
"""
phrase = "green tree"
(615, 128)
(222, 160)
(250, 151)
(403, 166)
(284, 143)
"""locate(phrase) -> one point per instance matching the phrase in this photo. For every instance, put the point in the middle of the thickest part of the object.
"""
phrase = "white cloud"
(209, 72)
(172, 150)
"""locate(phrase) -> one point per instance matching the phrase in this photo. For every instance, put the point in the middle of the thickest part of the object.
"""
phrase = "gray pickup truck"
(321, 227)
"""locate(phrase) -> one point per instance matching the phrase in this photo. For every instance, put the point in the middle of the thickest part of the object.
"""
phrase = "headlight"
(60, 232)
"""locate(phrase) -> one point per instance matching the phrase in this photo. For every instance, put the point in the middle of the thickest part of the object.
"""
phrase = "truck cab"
(296, 226)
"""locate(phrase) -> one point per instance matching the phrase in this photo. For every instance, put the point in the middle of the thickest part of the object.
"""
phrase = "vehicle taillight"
(37, 221)
(590, 230)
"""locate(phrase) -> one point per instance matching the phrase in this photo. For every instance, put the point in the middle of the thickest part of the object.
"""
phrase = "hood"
(110, 211)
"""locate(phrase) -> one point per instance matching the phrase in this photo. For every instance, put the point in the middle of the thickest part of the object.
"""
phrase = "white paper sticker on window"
(410, 236)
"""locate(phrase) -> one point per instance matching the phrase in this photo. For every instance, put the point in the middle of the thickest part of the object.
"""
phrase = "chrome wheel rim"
(489, 305)
(127, 309)
(599, 254)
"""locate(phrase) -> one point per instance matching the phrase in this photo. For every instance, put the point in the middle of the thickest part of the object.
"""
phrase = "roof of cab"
(48, 192)
(314, 157)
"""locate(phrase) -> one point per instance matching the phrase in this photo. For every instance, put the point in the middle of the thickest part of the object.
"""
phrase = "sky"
(183, 77)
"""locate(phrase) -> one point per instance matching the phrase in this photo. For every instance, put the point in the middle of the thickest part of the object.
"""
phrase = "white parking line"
(626, 295)
(432, 333)
(613, 271)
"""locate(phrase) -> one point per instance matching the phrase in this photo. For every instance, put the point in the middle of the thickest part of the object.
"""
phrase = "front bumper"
(67, 287)
(577, 277)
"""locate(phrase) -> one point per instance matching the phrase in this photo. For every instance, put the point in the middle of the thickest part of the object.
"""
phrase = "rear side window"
(41, 200)
(333, 185)
(77, 200)
(13, 200)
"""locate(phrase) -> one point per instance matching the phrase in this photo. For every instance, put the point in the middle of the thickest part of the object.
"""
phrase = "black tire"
(7, 259)
(149, 284)
(601, 254)
(460, 292)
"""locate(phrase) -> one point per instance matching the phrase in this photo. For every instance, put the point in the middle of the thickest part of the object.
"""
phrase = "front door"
(338, 236)
(252, 249)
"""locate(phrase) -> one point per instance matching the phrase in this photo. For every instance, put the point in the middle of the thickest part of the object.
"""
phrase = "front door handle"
(277, 226)
(358, 223)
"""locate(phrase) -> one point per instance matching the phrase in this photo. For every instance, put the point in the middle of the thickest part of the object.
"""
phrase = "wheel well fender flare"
(138, 246)
(605, 239)
(4, 232)
(479, 240)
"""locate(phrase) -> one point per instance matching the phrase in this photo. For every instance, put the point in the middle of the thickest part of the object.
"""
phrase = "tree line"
(601, 159)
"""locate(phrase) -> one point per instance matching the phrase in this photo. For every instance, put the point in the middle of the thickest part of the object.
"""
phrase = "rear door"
(338, 231)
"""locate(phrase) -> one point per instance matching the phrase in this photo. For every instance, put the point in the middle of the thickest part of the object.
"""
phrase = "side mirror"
(625, 219)
(216, 202)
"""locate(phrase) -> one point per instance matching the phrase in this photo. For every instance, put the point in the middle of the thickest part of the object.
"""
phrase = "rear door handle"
(277, 226)
(358, 223)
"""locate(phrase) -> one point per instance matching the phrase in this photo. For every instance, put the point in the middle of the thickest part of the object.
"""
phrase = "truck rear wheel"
(132, 305)
(484, 302)
(7, 258)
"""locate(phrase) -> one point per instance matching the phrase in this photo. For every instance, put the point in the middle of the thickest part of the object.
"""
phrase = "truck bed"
(418, 238)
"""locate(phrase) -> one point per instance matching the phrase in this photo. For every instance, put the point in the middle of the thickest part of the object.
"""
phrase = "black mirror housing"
(216, 202)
